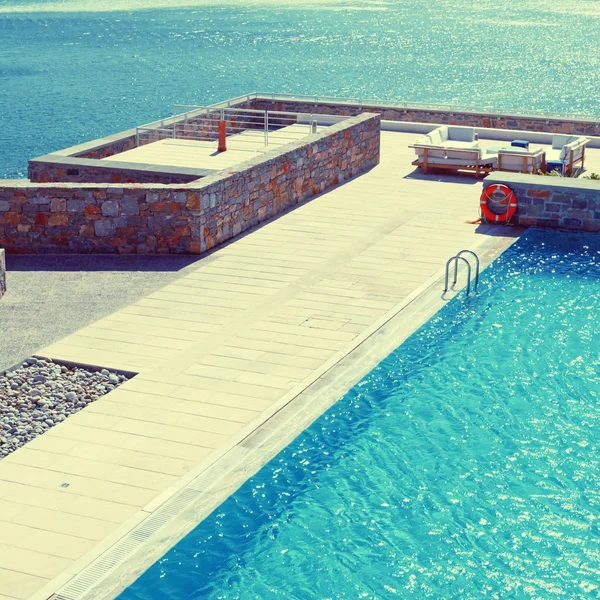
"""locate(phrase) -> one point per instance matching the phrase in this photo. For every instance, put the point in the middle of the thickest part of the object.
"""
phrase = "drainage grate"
(116, 555)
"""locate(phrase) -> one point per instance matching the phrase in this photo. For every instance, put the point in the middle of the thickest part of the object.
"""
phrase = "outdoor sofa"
(453, 148)
(521, 160)
(566, 152)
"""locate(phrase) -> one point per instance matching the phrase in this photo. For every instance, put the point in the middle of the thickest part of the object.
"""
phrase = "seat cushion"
(488, 159)
(553, 154)
(512, 150)
(461, 145)
(469, 157)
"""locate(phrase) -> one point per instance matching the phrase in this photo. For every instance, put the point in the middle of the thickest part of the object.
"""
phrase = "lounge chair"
(520, 160)
(567, 150)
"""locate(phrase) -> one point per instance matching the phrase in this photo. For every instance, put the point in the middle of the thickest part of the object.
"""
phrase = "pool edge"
(120, 558)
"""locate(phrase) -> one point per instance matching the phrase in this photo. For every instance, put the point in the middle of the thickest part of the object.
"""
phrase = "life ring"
(499, 194)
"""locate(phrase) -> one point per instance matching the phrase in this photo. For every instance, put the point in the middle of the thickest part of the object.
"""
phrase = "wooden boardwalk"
(218, 348)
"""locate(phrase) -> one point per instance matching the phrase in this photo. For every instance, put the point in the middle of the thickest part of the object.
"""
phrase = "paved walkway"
(49, 297)
(217, 348)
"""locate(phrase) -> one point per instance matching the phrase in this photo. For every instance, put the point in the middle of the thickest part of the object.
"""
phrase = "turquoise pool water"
(466, 465)
(74, 70)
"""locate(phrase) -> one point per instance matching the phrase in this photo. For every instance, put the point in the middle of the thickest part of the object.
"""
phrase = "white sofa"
(454, 148)
(568, 150)
(521, 160)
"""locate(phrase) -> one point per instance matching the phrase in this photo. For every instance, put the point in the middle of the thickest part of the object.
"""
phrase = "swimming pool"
(465, 465)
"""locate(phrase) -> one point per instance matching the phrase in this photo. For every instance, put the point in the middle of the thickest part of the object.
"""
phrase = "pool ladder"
(460, 258)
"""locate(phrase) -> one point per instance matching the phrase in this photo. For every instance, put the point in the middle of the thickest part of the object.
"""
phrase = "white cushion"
(509, 161)
(515, 150)
(461, 134)
(560, 139)
(553, 154)
(424, 141)
(487, 159)
(435, 137)
(466, 157)
(461, 145)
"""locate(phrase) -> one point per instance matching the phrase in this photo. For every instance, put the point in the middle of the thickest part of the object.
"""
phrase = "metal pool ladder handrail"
(459, 257)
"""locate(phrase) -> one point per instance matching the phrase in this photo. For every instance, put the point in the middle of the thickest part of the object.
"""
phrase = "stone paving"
(242, 332)
(49, 297)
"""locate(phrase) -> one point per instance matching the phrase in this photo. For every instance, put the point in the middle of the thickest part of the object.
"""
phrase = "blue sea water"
(74, 70)
(466, 465)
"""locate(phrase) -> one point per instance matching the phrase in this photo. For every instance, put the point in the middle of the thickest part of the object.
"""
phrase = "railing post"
(266, 127)
(137, 137)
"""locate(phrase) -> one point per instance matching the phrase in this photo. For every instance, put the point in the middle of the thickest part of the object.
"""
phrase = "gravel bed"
(40, 393)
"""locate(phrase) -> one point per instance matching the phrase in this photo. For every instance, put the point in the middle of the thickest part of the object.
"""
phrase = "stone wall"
(204, 126)
(2, 273)
(184, 218)
(108, 148)
(436, 116)
(55, 168)
(553, 202)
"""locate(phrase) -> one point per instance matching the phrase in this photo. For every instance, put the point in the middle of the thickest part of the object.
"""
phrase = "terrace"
(238, 354)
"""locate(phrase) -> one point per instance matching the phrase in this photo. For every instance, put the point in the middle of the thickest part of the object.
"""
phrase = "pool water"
(466, 465)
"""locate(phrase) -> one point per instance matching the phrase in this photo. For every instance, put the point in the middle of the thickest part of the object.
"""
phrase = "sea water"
(75, 70)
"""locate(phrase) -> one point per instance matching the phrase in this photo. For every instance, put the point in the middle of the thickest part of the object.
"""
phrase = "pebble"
(40, 393)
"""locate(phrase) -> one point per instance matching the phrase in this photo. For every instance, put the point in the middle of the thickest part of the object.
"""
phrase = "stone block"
(104, 228)
(58, 219)
(551, 207)
(130, 206)
(75, 206)
(37, 200)
(58, 205)
(110, 208)
(193, 201)
(4, 206)
(152, 197)
(180, 197)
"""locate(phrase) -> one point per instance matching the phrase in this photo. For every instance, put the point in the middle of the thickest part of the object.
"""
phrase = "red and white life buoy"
(500, 195)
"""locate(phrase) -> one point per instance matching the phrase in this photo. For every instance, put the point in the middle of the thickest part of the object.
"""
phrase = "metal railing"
(201, 123)
(457, 259)
(379, 103)
(162, 128)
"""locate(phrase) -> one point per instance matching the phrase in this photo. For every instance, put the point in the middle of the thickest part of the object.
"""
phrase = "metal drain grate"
(109, 561)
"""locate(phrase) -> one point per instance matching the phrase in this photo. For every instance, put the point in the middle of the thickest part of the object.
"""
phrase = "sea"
(75, 70)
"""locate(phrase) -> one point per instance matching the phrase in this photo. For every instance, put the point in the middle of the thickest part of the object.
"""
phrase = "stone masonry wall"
(58, 169)
(114, 147)
(558, 203)
(437, 116)
(184, 218)
(2, 273)
(205, 126)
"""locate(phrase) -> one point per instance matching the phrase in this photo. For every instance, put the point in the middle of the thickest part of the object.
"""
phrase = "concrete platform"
(204, 154)
(52, 296)
(219, 351)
